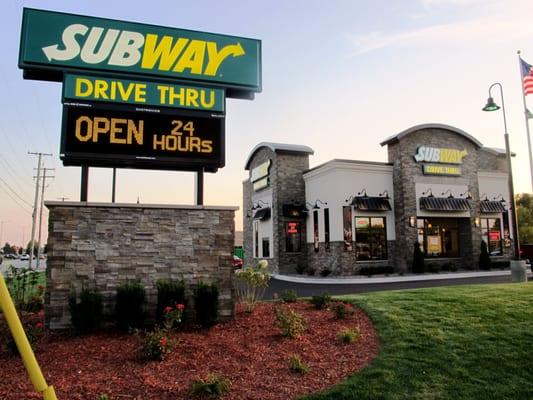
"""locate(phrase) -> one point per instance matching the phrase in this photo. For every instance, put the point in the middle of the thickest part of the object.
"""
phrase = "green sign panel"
(157, 94)
(53, 43)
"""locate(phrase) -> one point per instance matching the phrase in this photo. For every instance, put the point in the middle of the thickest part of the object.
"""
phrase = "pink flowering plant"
(173, 315)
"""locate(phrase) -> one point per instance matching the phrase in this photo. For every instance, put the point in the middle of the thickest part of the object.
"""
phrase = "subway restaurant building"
(441, 189)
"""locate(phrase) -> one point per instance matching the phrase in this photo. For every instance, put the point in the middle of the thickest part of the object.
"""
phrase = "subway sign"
(149, 93)
(126, 137)
(437, 155)
(53, 43)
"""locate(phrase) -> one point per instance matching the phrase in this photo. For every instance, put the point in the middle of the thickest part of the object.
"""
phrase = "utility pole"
(2, 230)
(33, 217)
(41, 214)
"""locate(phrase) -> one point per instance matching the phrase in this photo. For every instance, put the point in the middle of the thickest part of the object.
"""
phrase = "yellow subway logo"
(436, 155)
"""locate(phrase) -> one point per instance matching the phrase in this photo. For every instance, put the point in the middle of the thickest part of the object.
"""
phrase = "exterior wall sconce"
(349, 198)
(450, 196)
(486, 197)
(324, 203)
(362, 193)
(467, 194)
(412, 221)
(259, 204)
(428, 193)
(384, 194)
(477, 222)
(500, 196)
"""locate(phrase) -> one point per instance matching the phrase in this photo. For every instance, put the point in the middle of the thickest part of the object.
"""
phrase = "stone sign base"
(102, 245)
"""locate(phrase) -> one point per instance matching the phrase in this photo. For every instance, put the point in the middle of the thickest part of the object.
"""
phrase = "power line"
(14, 192)
(14, 174)
(15, 200)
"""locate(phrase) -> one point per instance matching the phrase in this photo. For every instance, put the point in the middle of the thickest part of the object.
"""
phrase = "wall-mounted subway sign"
(260, 176)
(53, 43)
(159, 94)
(435, 159)
(123, 137)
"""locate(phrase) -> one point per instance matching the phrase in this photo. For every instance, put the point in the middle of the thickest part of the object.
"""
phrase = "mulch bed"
(249, 351)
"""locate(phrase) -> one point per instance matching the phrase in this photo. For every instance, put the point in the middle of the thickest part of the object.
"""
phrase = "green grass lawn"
(467, 342)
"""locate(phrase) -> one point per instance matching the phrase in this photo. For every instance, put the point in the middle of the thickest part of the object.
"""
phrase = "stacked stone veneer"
(288, 187)
(104, 245)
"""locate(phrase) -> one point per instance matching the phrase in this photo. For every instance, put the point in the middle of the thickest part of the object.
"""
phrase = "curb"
(392, 279)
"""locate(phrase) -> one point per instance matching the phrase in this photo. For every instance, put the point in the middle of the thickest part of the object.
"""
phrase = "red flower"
(168, 309)
(180, 307)
(39, 325)
(163, 342)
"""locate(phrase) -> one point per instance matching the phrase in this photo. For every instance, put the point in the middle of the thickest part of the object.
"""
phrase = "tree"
(7, 248)
(418, 259)
(35, 248)
(524, 215)
(484, 257)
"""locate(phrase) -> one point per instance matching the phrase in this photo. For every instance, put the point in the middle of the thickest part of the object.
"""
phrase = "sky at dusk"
(338, 76)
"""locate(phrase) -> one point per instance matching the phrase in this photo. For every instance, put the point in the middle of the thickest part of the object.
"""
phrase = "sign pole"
(199, 187)
(114, 185)
(84, 182)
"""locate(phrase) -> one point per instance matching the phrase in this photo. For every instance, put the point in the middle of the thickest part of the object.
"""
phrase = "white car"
(24, 257)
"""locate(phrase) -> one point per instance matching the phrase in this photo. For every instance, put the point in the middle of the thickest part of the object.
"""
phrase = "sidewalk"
(363, 280)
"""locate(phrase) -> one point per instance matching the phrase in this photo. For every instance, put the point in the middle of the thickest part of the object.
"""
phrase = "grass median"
(467, 342)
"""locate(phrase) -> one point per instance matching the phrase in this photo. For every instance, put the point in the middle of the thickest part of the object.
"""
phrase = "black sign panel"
(125, 137)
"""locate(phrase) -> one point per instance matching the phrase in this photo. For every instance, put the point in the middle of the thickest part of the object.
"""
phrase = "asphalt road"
(310, 289)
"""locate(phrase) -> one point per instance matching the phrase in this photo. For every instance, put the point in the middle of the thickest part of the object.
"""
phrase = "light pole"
(492, 106)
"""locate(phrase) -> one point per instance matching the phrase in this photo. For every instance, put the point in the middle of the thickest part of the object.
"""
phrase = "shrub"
(321, 301)
(34, 331)
(484, 257)
(449, 266)
(154, 345)
(212, 387)
(348, 336)
(290, 322)
(325, 272)
(173, 316)
(251, 284)
(300, 268)
(375, 270)
(206, 304)
(342, 311)
(169, 292)
(297, 365)
(418, 259)
(311, 271)
(129, 307)
(289, 296)
(22, 285)
(434, 268)
(86, 315)
(103, 396)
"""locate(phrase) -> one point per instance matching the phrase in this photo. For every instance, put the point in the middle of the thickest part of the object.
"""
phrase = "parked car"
(237, 262)
(25, 257)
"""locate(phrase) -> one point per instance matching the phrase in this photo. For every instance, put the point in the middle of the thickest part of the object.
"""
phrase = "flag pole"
(526, 117)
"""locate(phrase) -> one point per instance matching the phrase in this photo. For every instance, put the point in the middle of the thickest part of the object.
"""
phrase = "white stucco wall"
(265, 227)
(337, 180)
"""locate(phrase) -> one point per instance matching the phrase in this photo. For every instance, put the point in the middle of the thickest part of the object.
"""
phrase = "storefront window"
(439, 237)
(491, 234)
(266, 247)
(326, 228)
(370, 238)
(315, 230)
(256, 239)
(293, 237)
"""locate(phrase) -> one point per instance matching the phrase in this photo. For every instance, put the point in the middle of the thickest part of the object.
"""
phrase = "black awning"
(262, 214)
(444, 204)
(367, 203)
(494, 207)
(293, 211)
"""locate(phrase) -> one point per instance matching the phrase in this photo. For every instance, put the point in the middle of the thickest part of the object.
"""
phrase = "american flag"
(527, 77)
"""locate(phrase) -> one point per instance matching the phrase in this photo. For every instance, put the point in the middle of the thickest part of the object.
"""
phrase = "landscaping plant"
(212, 387)
(418, 259)
(290, 323)
(251, 284)
(297, 365)
(155, 345)
(173, 316)
(23, 286)
(484, 257)
(129, 307)
(342, 310)
(348, 336)
(206, 304)
(289, 296)
(169, 291)
(321, 301)
(86, 315)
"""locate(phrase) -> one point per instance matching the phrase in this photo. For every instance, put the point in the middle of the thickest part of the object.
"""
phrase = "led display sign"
(141, 138)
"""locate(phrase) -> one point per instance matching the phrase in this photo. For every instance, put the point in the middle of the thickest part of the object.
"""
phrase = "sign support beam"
(84, 182)
(199, 187)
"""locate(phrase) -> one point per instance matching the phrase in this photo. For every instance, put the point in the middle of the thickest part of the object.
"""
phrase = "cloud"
(496, 27)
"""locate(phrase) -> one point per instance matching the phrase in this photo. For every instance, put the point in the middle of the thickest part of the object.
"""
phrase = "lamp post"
(492, 106)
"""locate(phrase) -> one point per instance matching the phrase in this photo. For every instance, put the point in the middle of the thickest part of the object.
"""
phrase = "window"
(293, 237)
(370, 238)
(315, 230)
(326, 228)
(439, 237)
(491, 233)
(266, 247)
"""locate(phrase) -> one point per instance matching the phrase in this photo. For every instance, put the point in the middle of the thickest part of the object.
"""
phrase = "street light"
(492, 106)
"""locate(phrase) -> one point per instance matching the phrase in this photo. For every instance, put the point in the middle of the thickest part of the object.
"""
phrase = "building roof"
(395, 138)
(498, 152)
(278, 148)
(341, 160)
